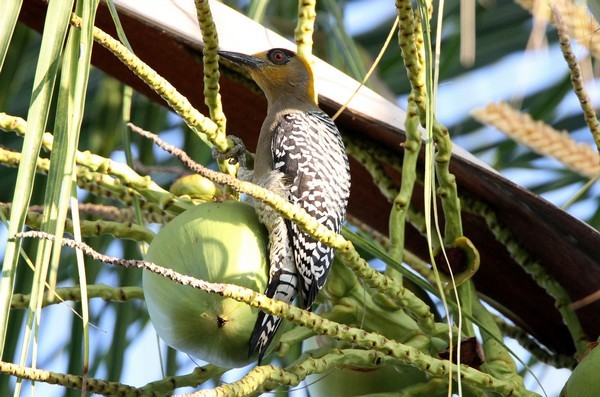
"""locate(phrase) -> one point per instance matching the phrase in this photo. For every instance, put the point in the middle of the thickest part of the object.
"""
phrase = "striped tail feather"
(283, 286)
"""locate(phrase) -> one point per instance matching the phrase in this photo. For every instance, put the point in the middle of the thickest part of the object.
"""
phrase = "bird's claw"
(235, 155)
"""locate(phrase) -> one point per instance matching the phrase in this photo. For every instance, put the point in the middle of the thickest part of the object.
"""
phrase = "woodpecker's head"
(282, 74)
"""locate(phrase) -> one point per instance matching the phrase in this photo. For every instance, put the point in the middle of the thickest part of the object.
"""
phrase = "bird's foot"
(235, 155)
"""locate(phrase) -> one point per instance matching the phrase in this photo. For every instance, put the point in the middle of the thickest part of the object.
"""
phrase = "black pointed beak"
(242, 59)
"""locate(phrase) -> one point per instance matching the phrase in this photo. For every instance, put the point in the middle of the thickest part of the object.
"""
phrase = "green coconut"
(217, 242)
(196, 187)
(585, 379)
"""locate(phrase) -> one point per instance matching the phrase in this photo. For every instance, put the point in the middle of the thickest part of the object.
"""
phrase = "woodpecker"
(300, 156)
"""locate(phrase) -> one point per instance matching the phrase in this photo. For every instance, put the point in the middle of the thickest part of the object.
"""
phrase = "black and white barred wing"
(308, 149)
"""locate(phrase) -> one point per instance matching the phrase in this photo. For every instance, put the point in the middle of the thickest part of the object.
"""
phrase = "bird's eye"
(279, 57)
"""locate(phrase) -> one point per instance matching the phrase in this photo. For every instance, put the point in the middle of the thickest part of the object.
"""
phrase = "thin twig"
(584, 99)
